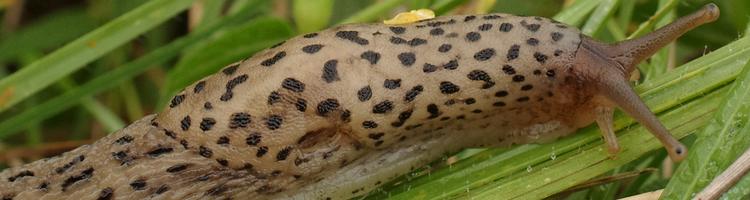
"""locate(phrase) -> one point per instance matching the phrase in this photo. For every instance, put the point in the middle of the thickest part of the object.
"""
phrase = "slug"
(333, 114)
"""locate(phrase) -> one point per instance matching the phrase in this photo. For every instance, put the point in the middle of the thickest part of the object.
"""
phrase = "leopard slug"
(332, 114)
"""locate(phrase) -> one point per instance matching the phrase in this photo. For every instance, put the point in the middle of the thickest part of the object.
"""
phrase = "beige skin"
(297, 120)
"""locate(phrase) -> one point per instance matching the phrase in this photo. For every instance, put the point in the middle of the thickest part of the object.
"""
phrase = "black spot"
(177, 168)
(550, 73)
(476, 111)
(199, 87)
(509, 70)
(346, 115)
(301, 105)
(433, 110)
(85, 174)
(444, 48)
(310, 35)
(21, 174)
(429, 68)
(470, 101)
(170, 134)
(498, 104)
(437, 31)
(261, 151)
(501, 93)
(313, 48)
(440, 23)
(222, 162)
(106, 194)
(479, 75)
(223, 140)
(185, 123)
(208, 106)
(239, 120)
(518, 78)
(207, 123)
(327, 106)
(532, 41)
(398, 40)
(352, 36)
(530, 27)
(124, 140)
(159, 151)
(278, 56)
(122, 157)
(558, 52)
(70, 164)
(369, 124)
(274, 97)
(513, 52)
(330, 71)
(488, 17)
(484, 27)
(407, 58)
(139, 184)
(417, 41)
(176, 100)
(556, 36)
(231, 69)
(43, 186)
(522, 99)
(274, 122)
(231, 85)
(162, 189)
(293, 85)
(527, 87)
(184, 143)
(450, 102)
(473, 36)
(412, 93)
(205, 152)
(451, 65)
(364, 94)
(382, 107)
(402, 117)
(397, 29)
(506, 27)
(448, 87)
(375, 136)
(371, 56)
(283, 154)
(484, 54)
(469, 18)
(392, 83)
(541, 58)
(253, 139)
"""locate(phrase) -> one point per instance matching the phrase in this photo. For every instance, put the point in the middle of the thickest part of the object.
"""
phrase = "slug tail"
(631, 52)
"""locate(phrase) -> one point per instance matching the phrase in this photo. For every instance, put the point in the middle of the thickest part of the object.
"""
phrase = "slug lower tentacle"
(334, 114)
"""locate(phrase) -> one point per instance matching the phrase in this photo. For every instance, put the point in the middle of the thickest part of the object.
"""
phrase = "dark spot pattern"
(412, 93)
(382, 107)
(541, 58)
(556, 36)
(479, 75)
(402, 117)
(437, 31)
(484, 54)
(176, 100)
(239, 120)
(448, 87)
(364, 94)
(501, 93)
(327, 106)
(397, 29)
(283, 154)
(469, 18)
(301, 105)
(532, 41)
(124, 140)
(433, 110)
(85, 174)
(106, 194)
(274, 122)
(199, 87)
(444, 48)
(159, 151)
(369, 124)
(70, 164)
(313, 48)
(429, 68)
(509, 70)
(177, 168)
(484, 27)
(375, 136)
(330, 71)
(139, 184)
(518, 78)
(231, 85)
(530, 27)
(231, 69)
(310, 35)
(273, 60)
(293, 85)
(205, 152)
(371, 56)
(407, 58)
(274, 97)
(185, 123)
(207, 123)
(19, 175)
(261, 151)
(473, 36)
(506, 27)
(253, 139)
(527, 87)
(513, 52)
(392, 83)
(451, 65)
(352, 36)
(223, 140)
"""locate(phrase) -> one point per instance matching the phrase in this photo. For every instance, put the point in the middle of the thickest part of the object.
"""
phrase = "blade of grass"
(73, 56)
(444, 6)
(312, 15)
(693, 79)
(600, 15)
(577, 12)
(372, 12)
(115, 77)
(648, 24)
(660, 61)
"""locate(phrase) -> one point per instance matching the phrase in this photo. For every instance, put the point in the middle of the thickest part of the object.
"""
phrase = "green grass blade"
(73, 56)
(372, 12)
(649, 24)
(115, 77)
(575, 14)
(600, 15)
(312, 15)
(227, 46)
(444, 6)
(723, 140)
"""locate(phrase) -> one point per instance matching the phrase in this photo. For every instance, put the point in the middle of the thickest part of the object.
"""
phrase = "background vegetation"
(72, 71)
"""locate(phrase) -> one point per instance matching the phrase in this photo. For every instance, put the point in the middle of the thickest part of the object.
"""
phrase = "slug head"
(607, 68)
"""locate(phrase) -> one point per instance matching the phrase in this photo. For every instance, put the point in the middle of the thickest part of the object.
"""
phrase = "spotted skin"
(365, 102)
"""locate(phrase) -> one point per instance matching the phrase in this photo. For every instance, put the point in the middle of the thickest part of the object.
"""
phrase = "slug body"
(334, 114)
